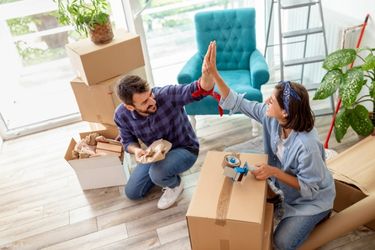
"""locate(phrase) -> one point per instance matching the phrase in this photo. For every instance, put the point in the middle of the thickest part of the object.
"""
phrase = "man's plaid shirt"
(169, 122)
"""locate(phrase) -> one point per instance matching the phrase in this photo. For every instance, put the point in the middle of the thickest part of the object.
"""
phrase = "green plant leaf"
(369, 62)
(83, 14)
(341, 124)
(360, 121)
(372, 90)
(339, 59)
(352, 84)
(331, 81)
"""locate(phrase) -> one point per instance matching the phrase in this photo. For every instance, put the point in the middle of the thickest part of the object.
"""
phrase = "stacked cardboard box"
(229, 215)
(98, 68)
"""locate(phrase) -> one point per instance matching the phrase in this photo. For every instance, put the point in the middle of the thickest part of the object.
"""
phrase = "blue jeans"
(291, 232)
(164, 173)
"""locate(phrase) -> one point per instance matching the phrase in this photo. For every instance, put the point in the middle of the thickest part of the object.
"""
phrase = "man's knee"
(132, 193)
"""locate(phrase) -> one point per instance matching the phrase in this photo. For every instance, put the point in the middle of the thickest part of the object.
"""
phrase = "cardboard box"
(100, 171)
(109, 147)
(224, 214)
(97, 103)
(268, 228)
(96, 63)
(354, 173)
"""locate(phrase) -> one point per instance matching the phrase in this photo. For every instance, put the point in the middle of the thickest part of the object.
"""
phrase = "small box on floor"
(229, 215)
(354, 173)
(98, 171)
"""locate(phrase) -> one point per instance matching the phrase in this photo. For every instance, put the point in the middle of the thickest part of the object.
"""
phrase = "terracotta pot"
(101, 33)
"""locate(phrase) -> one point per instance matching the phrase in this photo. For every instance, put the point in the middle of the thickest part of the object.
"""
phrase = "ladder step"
(302, 32)
(277, 44)
(306, 60)
(300, 4)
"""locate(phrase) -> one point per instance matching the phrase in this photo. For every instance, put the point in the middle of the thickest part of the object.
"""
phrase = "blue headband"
(287, 92)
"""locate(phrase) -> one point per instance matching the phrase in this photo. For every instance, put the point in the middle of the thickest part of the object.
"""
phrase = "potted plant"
(350, 82)
(87, 16)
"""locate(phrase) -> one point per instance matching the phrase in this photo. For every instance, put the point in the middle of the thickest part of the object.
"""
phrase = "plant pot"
(101, 33)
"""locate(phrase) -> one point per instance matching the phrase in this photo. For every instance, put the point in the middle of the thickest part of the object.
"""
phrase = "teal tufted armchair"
(240, 64)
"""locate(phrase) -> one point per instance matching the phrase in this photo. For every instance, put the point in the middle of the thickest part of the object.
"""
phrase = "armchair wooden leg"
(193, 122)
(254, 127)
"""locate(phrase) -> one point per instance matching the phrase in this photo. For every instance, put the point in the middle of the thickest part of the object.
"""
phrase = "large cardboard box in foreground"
(100, 171)
(96, 63)
(354, 173)
(228, 215)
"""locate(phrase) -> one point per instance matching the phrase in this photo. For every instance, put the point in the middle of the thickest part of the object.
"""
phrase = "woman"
(296, 160)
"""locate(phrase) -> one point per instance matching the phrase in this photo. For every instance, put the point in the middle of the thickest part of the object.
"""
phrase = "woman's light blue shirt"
(303, 157)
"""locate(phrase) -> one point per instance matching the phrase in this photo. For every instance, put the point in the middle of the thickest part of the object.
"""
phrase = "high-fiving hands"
(209, 67)
(209, 62)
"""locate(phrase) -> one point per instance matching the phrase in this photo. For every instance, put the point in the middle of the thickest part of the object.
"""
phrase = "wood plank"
(173, 232)
(143, 241)
(180, 244)
(18, 232)
(107, 206)
(86, 198)
(161, 218)
(94, 240)
(55, 236)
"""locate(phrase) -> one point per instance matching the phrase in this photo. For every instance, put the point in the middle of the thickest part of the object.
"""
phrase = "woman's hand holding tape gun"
(263, 171)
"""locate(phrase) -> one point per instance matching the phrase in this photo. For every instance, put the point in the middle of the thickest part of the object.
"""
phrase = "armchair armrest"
(259, 73)
(191, 70)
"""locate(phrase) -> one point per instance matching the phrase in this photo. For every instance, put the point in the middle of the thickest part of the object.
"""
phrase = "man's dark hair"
(129, 85)
(300, 117)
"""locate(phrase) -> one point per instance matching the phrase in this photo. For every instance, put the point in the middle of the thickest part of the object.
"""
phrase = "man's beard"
(149, 111)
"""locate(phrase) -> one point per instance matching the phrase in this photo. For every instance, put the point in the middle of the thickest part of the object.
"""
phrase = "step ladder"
(283, 7)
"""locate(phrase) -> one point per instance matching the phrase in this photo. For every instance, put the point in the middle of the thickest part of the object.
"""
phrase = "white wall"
(353, 12)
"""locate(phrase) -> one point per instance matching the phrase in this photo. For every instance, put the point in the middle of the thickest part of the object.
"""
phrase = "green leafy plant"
(83, 14)
(349, 82)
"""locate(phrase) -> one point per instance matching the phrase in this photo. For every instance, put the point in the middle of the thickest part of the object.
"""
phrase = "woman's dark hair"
(128, 85)
(300, 116)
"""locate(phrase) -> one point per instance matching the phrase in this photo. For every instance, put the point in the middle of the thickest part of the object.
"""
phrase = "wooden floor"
(43, 207)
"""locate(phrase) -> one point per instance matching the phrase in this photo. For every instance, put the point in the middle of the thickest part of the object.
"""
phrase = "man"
(158, 113)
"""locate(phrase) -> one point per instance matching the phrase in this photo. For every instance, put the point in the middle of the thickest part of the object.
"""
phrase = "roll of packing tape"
(231, 160)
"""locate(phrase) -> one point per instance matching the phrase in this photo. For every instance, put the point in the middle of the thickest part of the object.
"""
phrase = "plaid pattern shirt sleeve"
(127, 137)
(181, 94)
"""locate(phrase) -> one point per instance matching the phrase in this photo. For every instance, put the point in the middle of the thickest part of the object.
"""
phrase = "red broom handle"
(339, 101)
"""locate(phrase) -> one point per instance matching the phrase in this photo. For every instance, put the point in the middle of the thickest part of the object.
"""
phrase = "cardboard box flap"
(86, 46)
(205, 200)
(68, 153)
(356, 165)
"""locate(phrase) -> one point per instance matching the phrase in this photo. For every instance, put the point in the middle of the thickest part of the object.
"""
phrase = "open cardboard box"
(247, 223)
(99, 171)
(96, 63)
(354, 173)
